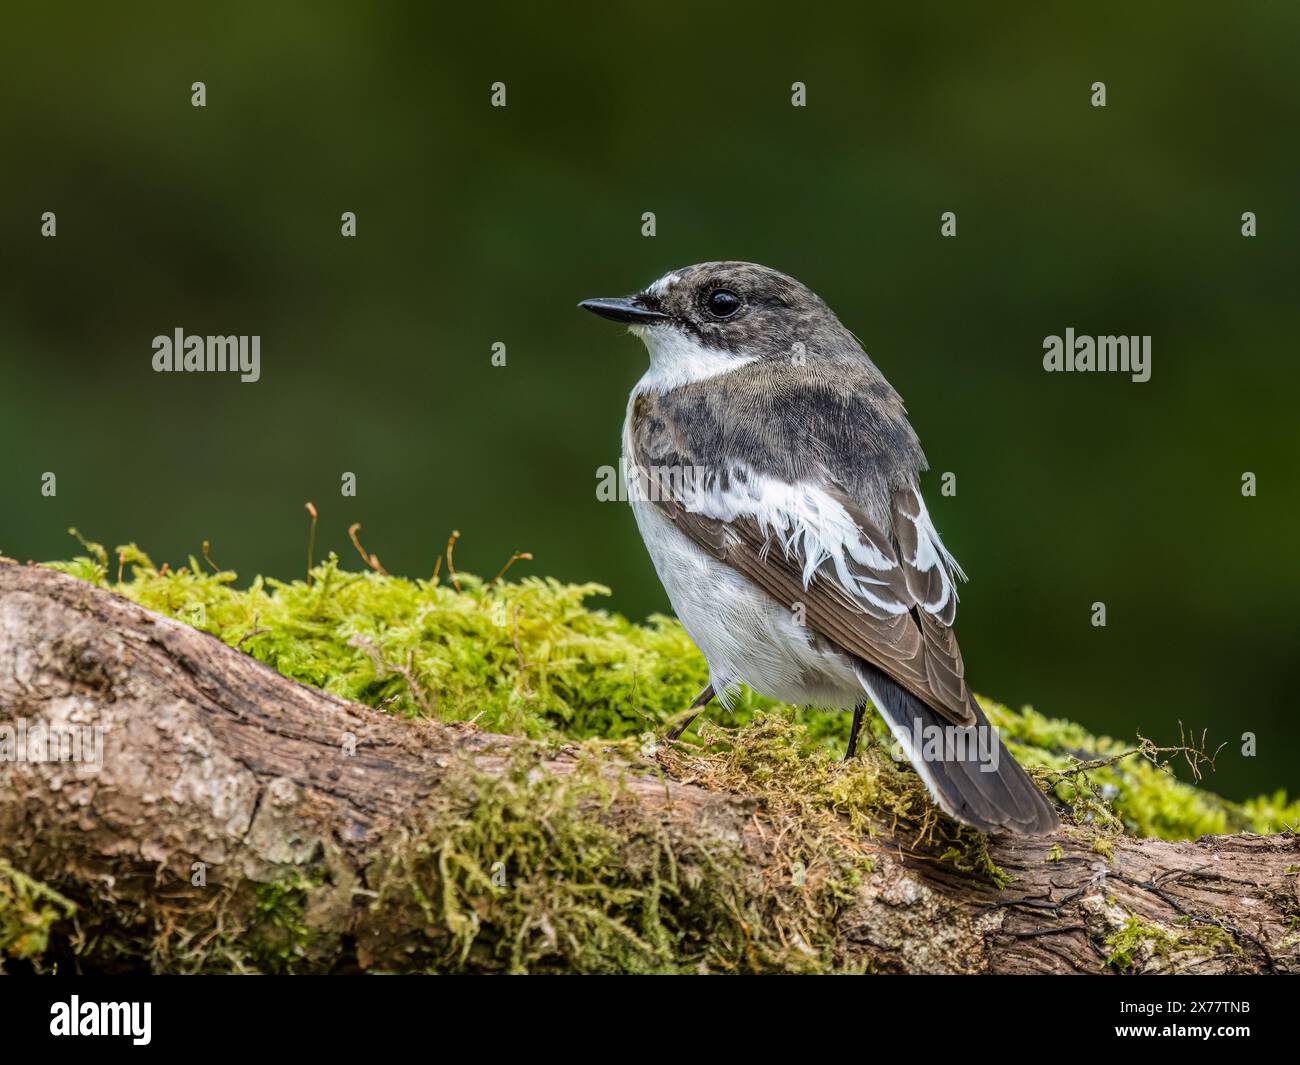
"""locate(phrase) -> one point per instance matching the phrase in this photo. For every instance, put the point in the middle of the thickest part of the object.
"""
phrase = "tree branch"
(242, 821)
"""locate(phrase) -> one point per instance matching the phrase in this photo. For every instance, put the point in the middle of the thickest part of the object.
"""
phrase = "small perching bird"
(773, 474)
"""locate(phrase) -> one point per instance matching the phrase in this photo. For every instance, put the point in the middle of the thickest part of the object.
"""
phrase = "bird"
(775, 479)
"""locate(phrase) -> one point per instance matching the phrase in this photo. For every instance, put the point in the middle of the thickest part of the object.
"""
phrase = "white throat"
(677, 358)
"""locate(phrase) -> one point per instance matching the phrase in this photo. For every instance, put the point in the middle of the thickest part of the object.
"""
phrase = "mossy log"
(240, 821)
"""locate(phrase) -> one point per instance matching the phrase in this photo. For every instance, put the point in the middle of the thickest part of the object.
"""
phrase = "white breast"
(745, 635)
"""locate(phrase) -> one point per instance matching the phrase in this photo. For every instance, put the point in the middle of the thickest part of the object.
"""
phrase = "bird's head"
(710, 318)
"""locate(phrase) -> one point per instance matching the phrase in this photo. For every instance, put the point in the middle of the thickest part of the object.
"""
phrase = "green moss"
(242, 927)
(1126, 946)
(534, 658)
(1136, 942)
(523, 658)
(278, 937)
(534, 871)
(29, 910)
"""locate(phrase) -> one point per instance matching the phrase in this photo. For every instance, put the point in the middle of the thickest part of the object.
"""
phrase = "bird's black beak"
(630, 309)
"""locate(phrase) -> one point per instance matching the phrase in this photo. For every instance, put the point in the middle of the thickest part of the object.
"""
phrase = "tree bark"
(219, 777)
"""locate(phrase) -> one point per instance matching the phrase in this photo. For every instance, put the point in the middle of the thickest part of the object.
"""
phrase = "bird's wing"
(888, 600)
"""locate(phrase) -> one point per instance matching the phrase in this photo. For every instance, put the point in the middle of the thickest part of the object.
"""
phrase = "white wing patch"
(930, 554)
(808, 523)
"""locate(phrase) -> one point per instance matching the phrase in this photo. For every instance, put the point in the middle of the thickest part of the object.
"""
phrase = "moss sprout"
(28, 912)
(1139, 945)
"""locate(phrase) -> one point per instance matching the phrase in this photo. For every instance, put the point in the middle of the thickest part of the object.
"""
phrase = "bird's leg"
(701, 701)
(858, 711)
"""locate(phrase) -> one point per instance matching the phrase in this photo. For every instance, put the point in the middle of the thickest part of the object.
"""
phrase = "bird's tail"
(968, 771)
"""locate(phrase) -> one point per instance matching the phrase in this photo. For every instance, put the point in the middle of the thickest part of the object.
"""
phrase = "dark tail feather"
(960, 777)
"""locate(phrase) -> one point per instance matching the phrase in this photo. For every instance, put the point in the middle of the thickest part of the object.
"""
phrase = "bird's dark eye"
(723, 303)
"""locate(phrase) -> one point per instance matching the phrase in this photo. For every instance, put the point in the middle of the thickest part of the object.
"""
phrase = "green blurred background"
(479, 225)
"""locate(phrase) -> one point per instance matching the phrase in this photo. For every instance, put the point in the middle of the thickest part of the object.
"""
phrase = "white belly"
(745, 635)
